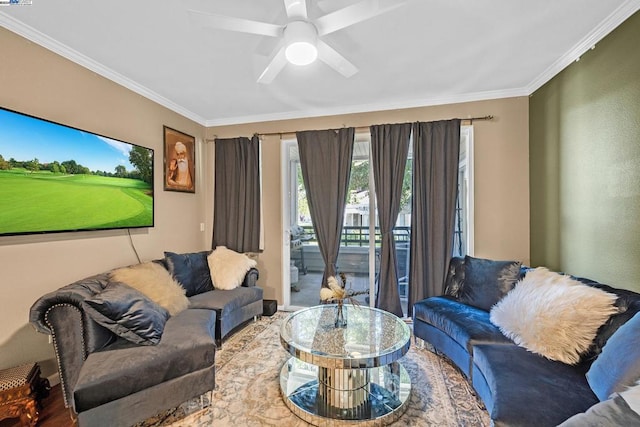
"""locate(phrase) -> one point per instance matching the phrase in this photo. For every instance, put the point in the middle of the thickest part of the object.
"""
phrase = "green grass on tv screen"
(34, 202)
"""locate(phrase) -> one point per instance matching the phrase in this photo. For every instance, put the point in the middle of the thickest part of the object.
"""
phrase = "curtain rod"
(360, 129)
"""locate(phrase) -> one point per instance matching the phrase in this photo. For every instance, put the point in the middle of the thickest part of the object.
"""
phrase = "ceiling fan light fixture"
(301, 38)
(301, 53)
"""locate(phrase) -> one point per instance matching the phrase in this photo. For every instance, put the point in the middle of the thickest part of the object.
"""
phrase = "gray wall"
(585, 164)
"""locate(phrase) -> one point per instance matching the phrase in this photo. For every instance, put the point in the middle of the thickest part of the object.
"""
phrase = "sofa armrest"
(65, 324)
(251, 278)
(74, 334)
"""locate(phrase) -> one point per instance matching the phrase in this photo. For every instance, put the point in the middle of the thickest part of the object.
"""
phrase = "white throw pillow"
(155, 282)
(553, 315)
(228, 267)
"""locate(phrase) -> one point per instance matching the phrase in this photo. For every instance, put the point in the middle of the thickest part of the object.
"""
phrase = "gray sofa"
(520, 387)
(108, 379)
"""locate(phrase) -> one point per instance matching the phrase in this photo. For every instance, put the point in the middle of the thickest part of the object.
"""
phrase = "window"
(463, 232)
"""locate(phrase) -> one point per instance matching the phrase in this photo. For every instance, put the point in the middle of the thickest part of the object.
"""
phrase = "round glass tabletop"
(371, 338)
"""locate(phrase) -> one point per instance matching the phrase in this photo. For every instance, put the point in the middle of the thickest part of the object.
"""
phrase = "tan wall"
(36, 81)
(501, 175)
(40, 83)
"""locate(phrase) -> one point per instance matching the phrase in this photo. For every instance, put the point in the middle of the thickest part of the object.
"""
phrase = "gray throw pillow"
(127, 313)
(611, 412)
(618, 365)
(487, 281)
(191, 271)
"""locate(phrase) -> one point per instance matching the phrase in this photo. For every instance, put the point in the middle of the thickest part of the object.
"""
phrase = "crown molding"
(610, 23)
(628, 8)
(65, 51)
(367, 108)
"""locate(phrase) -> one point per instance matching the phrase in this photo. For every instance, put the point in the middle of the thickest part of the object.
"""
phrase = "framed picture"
(179, 161)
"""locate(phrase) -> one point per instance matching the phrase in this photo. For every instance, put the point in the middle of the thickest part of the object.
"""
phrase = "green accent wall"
(584, 136)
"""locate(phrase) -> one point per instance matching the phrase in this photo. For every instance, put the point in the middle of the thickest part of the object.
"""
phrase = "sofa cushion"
(191, 271)
(618, 365)
(465, 324)
(123, 368)
(487, 281)
(127, 313)
(553, 315)
(228, 267)
(226, 300)
(153, 280)
(511, 381)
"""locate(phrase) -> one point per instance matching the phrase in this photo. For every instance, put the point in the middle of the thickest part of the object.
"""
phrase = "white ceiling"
(426, 52)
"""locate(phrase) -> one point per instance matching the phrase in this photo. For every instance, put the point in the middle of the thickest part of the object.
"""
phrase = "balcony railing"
(359, 235)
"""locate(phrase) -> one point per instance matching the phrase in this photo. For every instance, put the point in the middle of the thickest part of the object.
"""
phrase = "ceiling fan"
(300, 39)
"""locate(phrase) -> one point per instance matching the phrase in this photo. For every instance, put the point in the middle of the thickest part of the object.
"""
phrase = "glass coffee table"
(349, 375)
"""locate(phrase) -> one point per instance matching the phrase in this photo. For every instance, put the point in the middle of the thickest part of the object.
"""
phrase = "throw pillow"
(618, 365)
(127, 313)
(155, 282)
(191, 271)
(553, 315)
(487, 281)
(612, 412)
(621, 409)
(455, 277)
(632, 396)
(228, 267)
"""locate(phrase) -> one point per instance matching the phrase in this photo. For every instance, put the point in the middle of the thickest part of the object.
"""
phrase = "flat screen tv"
(56, 178)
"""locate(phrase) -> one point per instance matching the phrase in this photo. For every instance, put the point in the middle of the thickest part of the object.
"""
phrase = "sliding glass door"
(359, 252)
(356, 259)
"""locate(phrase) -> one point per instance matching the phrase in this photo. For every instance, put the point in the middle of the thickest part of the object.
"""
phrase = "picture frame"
(179, 161)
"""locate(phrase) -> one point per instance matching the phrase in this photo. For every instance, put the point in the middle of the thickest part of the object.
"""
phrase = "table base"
(381, 400)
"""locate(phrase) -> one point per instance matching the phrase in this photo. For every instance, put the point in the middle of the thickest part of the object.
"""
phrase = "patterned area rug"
(248, 390)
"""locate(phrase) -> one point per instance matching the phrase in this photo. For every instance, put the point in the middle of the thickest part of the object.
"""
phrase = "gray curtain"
(236, 223)
(325, 159)
(389, 150)
(436, 148)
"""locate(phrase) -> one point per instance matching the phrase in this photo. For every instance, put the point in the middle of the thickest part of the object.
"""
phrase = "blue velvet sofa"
(122, 358)
(519, 387)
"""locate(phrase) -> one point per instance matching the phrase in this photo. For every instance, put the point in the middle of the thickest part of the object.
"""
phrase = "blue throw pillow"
(127, 313)
(455, 277)
(191, 271)
(618, 366)
(487, 281)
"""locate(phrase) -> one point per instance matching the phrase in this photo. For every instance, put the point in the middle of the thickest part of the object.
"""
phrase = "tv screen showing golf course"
(56, 178)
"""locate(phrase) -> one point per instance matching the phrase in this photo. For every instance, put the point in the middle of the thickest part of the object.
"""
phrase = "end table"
(21, 390)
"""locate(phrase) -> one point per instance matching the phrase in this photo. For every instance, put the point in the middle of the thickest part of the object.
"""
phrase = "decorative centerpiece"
(337, 292)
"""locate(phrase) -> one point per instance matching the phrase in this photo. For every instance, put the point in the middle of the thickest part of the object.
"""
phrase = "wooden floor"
(53, 413)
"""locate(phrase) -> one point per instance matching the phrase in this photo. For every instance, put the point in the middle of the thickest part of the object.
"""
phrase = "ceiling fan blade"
(353, 14)
(229, 23)
(296, 9)
(277, 63)
(332, 58)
